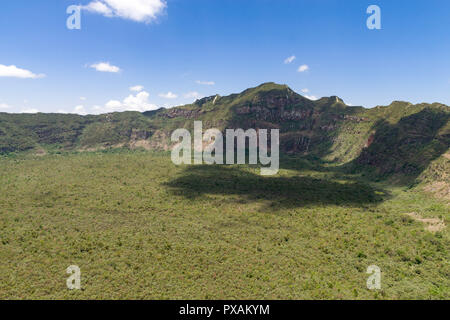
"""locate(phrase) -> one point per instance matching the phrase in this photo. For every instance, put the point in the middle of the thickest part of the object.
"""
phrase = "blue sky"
(177, 50)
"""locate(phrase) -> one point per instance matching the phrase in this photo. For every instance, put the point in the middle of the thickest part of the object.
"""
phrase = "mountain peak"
(273, 85)
(202, 101)
(336, 99)
(331, 100)
(267, 86)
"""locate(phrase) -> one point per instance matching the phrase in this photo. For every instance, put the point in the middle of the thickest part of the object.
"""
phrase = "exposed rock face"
(276, 106)
(275, 113)
(138, 140)
(296, 144)
(160, 141)
(176, 112)
(137, 134)
(370, 140)
(355, 119)
(201, 102)
(325, 127)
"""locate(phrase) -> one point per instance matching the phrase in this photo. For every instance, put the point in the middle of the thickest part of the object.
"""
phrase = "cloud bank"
(138, 102)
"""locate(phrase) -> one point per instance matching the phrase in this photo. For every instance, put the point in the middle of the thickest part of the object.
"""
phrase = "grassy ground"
(140, 227)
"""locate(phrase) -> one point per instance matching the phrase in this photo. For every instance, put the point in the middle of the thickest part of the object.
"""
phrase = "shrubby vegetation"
(352, 186)
(140, 227)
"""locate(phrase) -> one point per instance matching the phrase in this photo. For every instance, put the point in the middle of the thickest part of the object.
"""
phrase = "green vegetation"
(23, 132)
(400, 139)
(140, 227)
(353, 191)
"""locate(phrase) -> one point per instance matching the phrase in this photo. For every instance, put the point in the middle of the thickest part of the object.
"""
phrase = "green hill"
(399, 139)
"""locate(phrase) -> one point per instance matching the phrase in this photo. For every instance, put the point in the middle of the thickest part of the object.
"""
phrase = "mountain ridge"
(401, 138)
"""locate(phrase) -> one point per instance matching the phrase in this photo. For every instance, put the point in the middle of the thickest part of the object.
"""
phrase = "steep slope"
(399, 139)
(435, 179)
(22, 132)
(306, 126)
(408, 144)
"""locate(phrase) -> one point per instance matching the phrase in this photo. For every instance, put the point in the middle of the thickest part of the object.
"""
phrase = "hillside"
(90, 191)
(397, 139)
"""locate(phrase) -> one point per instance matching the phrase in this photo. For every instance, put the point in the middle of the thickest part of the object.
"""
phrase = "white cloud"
(32, 110)
(14, 72)
(98, 109)
(136, 10)
(80, 110)
(192, 95)
(303, 68)
(205, 83)
(4, 106)
(83, 98)
(99, 7)
(310, 97)
(168, 95)
(138, 102)
(114, 105)
(61, 111)
(137, 88)
(105, 67)
(289, 60)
